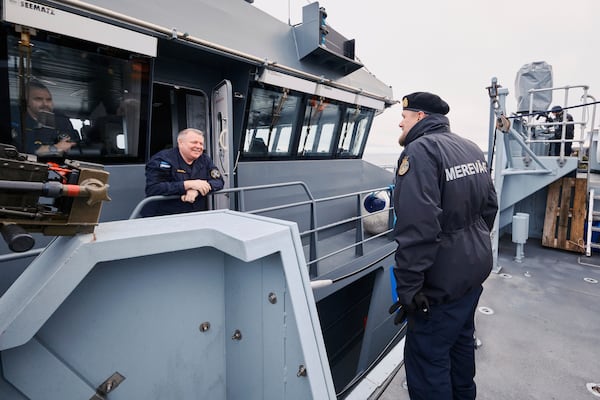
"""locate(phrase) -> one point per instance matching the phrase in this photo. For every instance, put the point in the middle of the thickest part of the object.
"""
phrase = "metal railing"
(16, 256)
(534, 127)
(313, 231)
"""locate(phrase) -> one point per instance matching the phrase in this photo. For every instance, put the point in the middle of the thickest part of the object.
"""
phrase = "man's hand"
(64, 145)
(419, 303)
(198, 184)
(189, 196)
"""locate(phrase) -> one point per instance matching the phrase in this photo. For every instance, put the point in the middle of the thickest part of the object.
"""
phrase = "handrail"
(563, 124)
(354, 244)
(314, 229)
(312, 232)
(136, 211)
(590, 141)
(138, 208)
(17, 256)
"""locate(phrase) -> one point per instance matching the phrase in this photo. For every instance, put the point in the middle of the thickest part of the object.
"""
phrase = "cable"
(536, 113)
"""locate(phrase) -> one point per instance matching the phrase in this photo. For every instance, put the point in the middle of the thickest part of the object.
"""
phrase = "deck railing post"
(313, 270)
(360, 233)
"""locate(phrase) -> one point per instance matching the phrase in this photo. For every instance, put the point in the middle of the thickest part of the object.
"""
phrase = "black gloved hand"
(419, 303)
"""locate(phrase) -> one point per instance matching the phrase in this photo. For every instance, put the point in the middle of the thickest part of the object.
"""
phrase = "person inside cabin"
(184, 170)
(47, 132)
(445, 205)
(558, 115)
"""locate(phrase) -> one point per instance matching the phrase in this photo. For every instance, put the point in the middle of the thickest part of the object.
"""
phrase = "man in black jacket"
(559, 116)
(445, 206)
(184, 170)
(47, 132)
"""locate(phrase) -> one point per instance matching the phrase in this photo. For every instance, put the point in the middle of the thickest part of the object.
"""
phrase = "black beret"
(429, 103)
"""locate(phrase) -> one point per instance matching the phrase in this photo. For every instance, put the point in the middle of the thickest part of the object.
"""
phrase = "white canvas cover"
(535, 75)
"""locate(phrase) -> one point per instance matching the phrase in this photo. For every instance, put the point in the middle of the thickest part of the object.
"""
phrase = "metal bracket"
(108, 386)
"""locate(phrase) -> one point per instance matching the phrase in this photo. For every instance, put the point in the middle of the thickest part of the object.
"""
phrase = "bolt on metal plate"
(108, 386)
(272, 298)
(301, 371)
(204, 326)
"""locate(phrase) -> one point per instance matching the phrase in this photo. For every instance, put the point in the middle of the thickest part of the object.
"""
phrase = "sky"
(455, 48)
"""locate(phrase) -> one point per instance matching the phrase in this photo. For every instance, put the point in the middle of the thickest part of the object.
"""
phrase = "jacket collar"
(431, 124)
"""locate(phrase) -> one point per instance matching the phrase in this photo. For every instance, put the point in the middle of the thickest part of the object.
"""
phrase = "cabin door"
(222, 137)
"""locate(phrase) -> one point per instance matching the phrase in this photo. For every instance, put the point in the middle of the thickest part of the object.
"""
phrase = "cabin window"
(271, 121)
(282, 124)
(355, 126)
(174, 109)
(321, 119)
(94, 97)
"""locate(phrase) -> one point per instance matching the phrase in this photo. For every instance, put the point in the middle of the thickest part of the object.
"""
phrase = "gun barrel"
(48, 189)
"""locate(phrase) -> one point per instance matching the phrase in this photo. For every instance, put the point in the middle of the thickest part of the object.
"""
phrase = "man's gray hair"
(188, 130)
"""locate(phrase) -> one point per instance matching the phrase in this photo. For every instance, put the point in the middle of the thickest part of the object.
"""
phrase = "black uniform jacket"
(445, 206)
(569, 127)
(165, 173)
(37, 135)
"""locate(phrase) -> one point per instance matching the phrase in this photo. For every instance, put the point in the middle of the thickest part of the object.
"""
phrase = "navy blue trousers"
(439, 352)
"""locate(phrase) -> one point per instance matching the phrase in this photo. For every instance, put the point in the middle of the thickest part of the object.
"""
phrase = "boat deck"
(541, 341)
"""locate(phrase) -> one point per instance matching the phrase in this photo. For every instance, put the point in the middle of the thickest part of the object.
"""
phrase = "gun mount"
(57, 200)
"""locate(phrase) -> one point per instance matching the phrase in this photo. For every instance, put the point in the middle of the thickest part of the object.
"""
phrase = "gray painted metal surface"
(251, 31)
(207, 305)
(135, 297)
(539, 342)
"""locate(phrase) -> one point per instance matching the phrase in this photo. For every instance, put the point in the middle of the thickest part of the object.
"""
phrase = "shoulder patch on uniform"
(164, 165)
(403, 168)
(215, 174)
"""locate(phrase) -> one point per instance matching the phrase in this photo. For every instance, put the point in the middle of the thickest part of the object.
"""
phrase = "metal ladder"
(592, 216)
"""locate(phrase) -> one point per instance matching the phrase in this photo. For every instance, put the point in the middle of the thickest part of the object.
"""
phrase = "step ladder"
(592, 216)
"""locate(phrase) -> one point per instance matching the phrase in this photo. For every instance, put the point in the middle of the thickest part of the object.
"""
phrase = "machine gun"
(49, 198)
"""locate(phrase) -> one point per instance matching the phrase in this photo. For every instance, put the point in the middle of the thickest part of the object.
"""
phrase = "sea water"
(384, 160)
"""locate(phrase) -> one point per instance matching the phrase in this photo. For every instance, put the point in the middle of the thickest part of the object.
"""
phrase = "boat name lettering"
(462, 170)
(37, 7)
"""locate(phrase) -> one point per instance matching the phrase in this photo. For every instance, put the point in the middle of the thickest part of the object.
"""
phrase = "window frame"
(139, 68)
(298, 127)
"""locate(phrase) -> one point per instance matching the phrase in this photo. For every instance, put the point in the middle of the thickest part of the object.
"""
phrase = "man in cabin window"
(46, 132)
(445, 205)
(185, 171)
(558, 115)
